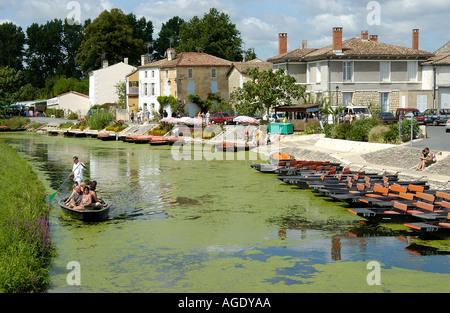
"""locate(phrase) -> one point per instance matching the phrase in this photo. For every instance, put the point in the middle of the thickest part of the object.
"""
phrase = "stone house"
(189, 73)
(238, 72)
(436, 73)
(360, 70)
(132, 86)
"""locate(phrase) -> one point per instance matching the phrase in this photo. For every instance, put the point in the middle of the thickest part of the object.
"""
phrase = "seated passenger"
(86, 200)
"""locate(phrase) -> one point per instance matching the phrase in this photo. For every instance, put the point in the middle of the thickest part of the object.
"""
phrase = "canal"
(216, 226)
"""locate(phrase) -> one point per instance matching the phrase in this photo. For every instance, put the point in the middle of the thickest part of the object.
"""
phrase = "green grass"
(26, 252)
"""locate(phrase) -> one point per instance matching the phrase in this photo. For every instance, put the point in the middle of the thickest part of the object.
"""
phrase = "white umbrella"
(170, 120)
(247, 120)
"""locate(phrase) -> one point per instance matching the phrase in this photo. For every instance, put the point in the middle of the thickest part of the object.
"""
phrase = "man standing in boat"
(77, 170)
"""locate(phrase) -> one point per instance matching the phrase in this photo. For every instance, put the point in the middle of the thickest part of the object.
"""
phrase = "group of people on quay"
(83, 194)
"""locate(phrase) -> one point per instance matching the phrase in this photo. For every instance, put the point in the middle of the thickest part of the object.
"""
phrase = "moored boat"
(159, 140)
(173, 140)
(106, 136)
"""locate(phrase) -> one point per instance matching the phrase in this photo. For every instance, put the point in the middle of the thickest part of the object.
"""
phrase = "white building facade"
(102, 82)
(149, 89)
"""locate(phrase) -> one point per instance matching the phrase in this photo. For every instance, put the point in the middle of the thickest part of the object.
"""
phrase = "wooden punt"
(159, 140)
(173, 140)
(438, 228)
(140, 139)
(89, 214)
(226, 146)
(405, 212)
(106, 137)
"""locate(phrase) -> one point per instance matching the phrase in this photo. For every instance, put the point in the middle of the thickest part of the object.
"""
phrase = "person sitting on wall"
(427, 159)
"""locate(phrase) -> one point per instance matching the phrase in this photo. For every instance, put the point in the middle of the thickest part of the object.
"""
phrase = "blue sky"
(260, 21)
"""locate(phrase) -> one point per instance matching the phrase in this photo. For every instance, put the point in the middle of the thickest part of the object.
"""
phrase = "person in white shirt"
(77, 170)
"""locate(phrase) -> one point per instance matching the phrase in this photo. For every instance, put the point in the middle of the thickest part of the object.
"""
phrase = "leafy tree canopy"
(108, 37)
(213, 34)
(265, 90)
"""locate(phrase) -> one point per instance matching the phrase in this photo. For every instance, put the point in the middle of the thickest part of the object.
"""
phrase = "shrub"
(16, 122)
(99, 120)
(65, 125)
(391, 136)
(72, 116)
(340, 131)
(376, 134)
(328, 130)
(117, 126)
(313, 129)
(361, 128)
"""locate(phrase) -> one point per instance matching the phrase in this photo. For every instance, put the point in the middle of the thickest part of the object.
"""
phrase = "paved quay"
(370, 157)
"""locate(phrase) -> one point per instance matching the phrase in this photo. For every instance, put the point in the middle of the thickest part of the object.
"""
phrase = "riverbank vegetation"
(26, 250)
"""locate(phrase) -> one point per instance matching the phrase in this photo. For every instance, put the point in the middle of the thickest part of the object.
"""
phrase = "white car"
(447, 126)
(273, 118)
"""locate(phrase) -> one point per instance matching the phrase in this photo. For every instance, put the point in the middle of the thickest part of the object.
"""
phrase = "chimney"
(365, 35)
(337, 39)
(373, 38)
(171, 54)
(415, 40)
(105, 63)
(282, 43)
(125, 60)
(144, 59)
(304, 44)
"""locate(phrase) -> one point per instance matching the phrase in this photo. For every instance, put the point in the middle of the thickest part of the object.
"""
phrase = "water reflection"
(192, 225)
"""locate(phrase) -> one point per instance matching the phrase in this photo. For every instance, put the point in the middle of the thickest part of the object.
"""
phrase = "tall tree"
(45, 52)
(168, 37)
(12, 41)
(108, 37)
(142, 29)
(71, 42)
(266, 89)
(214, 34)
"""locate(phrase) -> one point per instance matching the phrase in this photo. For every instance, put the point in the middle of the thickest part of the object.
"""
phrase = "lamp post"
(337, 95)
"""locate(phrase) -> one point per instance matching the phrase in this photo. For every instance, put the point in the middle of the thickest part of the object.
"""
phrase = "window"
(145, 89)
(347, 98)
(308, 73)
(190, 73)
(412, 71)
(167, 73)
(153, 89)
(347, 71)
(145, 74)
(153, 74)
(213, 73)
(318, 72)
(385, 71)
(384, 101)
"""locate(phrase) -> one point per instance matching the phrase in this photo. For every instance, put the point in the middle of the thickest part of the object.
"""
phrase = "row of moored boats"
(375, 198)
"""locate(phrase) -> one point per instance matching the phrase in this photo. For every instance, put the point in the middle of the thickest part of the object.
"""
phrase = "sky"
(260, 21)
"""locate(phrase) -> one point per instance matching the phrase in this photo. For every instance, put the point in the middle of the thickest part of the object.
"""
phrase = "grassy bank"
(25, 247)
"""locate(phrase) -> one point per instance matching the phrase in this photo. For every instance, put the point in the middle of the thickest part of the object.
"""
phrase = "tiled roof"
(190, 59)
(439, 59)
(359, 47)
(294, 54)
(243, 67)
(353, 47)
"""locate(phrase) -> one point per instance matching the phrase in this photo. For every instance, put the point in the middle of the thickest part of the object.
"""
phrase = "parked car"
(436, 116)
(420, 118)
(222, 118)
(359, 111)
(447, 126)
(274, 118)
(387, 117)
